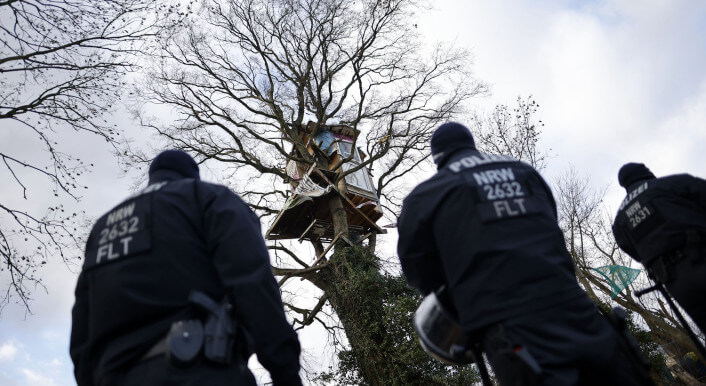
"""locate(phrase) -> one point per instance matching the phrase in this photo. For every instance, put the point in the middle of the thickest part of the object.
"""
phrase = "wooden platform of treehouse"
(312, 219)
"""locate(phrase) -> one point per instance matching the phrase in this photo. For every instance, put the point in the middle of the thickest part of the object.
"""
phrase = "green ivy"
(376, 310)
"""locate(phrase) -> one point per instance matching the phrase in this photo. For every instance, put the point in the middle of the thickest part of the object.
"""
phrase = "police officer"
(485, 226)
(662, 224)
(143, 260)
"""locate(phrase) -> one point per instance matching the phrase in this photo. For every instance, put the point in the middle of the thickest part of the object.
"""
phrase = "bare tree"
(245, 76)
(62, 64)
(513, 131)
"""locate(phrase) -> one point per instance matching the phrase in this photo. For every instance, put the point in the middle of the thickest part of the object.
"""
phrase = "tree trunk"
(372, 242)
(364, 328)
(340, 219)
(357, 292)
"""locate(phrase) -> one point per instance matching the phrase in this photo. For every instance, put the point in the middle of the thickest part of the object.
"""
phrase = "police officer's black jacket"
(486, 226)
(145, 256)
(653, 218)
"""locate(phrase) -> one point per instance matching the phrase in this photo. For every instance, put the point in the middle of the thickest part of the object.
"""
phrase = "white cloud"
(33, 378)
(681, 136)
(8, 380)
(615, 79)
(7, 351)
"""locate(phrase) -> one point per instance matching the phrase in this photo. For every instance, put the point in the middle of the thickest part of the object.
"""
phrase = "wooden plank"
(323, 254)
(331, 244)
(307, 230)
(286, 219)
(344, 238)
(360, 240)
(366, 218)
(274, 223)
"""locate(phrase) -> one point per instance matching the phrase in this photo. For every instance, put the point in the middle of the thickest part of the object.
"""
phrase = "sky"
(616, 81)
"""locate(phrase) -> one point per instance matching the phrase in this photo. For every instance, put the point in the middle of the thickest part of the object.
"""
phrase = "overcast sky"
(616, 81)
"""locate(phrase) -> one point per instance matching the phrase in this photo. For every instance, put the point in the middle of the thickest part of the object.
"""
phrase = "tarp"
(305, 191)
(618, 276)
(324, 140)
(309, 188)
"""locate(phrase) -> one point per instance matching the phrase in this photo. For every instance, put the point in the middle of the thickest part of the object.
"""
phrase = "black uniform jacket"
(486, 227)
(145, 256)
(653, 218)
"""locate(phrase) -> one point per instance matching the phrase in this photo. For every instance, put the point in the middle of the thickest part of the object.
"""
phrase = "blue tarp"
(324, 140)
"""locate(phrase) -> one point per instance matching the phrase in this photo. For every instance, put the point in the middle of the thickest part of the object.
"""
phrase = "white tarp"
(309, 188)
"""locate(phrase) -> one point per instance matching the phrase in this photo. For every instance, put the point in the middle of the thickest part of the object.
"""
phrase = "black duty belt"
(661, 269)
(182, 345)
(188, 340)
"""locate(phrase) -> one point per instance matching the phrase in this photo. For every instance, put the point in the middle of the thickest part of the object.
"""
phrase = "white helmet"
(440, 335)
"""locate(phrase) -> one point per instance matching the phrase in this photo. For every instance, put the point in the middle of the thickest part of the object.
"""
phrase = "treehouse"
(306, 214)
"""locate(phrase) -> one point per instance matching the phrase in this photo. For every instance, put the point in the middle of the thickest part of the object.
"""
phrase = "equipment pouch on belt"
(184, 342)
(219, 329)
(659, 271)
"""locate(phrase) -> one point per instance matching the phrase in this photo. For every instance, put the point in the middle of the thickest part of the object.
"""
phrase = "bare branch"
(62, 64)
